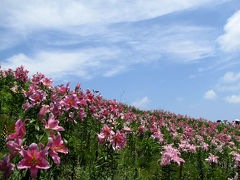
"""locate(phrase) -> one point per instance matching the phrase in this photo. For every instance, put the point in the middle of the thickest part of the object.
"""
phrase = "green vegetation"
(66, 134)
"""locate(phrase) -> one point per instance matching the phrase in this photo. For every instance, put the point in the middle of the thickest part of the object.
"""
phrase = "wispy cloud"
(232, 87)
(141, 102)
(230, 77)
(230, 81)
(234, 99)
(179, 99)
(181, 44)
(210, 94)
(190, 50)
(54, 14)
(110, 37)
(8, 39)
(115, 70)
(230, 40)
(57, 64)
(114, 49)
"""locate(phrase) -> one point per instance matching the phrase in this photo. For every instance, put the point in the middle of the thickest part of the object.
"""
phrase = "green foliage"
(88, 159)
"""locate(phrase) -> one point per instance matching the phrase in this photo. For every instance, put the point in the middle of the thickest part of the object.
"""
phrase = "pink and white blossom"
(33, 159)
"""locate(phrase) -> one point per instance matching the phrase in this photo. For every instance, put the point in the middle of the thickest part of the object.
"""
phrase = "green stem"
(200, 165)
(181, 167)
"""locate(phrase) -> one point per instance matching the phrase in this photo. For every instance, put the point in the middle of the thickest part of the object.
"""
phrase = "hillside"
(53, 132)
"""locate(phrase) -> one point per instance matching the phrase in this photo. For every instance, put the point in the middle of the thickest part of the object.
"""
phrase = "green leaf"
(32, 121)
(37, 127)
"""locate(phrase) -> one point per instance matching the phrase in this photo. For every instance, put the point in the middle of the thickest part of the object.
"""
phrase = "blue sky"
(177, 55)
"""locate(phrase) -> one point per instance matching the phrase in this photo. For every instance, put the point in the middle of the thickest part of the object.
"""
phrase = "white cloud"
(107, 59)
(141, 103)
(230, 77)
(180, 99)
(115, 70)
(234, 99)
(86, 24)
(184, 44)
(87, 63)
(235, 87)
(110, 60)
(190, 49)
(230, 40)
(192, 76)
(210, 94)
(8, 39)
(54, 14)
(229, 82)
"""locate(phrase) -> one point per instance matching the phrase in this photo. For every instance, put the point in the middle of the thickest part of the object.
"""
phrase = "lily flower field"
(53, 132)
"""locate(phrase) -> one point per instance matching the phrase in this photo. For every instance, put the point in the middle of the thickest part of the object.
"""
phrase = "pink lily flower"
(47, 82)
(119, 141)
(15, 145)
(107, 131)
(77, 87)
(42, 112)
(26, 106)
(70, 101)
(56, 145)
(81, 114)
(170, 154)
(158, 135)
(6, 167)
(21, 74)
(101, 138)
(212, 158)
(127, 129)
(236, 158)
(106, 134)
(142, 129)
(20, 131)
(235, 177)
(63, 89)
(37, 78)
(33, 159)
(52, 124)
(37, 97)
(14, 88)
